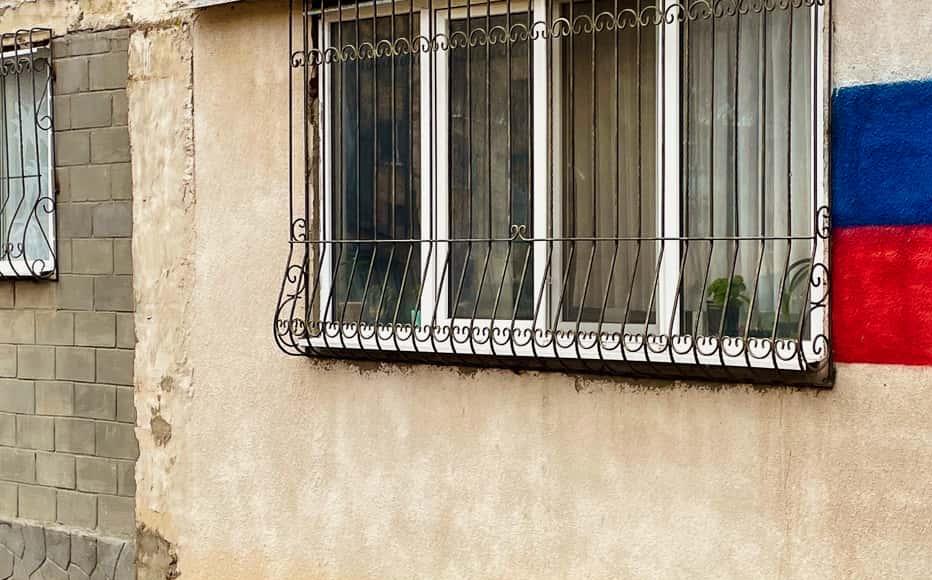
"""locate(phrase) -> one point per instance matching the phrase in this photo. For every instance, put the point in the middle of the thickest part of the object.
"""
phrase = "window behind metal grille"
(621, 186)
(27, 218)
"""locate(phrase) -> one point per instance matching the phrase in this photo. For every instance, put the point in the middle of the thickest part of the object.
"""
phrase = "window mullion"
(541, 82)
(668, 183)
(435, 174)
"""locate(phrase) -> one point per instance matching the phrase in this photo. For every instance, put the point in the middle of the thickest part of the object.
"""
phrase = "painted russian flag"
(882, 223)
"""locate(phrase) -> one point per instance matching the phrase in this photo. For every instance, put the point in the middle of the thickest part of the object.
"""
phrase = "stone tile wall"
(33, 552)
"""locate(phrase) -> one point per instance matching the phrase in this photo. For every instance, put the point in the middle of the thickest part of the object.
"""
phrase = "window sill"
(20, 269)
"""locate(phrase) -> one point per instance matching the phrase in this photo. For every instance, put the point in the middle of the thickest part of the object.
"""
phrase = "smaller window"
(27, 199)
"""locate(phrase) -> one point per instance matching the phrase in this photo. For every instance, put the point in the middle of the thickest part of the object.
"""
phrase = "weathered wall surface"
(82, 15)
(293, 469)
(161, 125)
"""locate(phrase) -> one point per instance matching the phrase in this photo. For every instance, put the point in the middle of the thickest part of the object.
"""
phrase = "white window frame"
(20, 267)
(546, 177)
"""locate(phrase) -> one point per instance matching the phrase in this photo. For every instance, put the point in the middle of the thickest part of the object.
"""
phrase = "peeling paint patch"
(156, 557)
(161, 429)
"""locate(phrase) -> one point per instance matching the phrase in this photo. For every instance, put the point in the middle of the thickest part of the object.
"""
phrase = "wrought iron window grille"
(27, 197)
(613, 186)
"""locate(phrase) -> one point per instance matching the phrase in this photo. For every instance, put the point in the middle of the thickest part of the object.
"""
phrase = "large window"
(27, 233)
(614, 185)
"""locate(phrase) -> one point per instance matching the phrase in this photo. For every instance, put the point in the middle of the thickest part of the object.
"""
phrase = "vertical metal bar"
(789, 185)
(305, 87)
(291, 67)
(325, 189)
(817, 113)
(712, 150)
(762, 124)
(616, 126)
(436, 213)
(508, 184)
(638, 173)
(340, 68)
(308, 305)
(488, 153)
(488, 117)
(357, 124)
(594, 151)
(762, 199)
(469, 156)
(593, 128)
(394, 165)
(574, 222)
(543, 170)
(430, 151)
(20, 251)
(671, 224)
(374, 63)
(411, 232)
(34, 107)
(661, 280)
(638, 144)
(5, 185)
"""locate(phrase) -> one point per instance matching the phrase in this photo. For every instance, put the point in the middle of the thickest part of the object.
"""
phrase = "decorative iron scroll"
(629, 187)
(27, 202)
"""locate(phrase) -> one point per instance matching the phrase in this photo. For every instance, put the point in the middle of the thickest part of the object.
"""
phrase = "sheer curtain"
(609, 97)
(747, 170)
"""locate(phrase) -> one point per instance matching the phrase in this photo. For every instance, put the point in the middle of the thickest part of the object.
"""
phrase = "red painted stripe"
(882, 294)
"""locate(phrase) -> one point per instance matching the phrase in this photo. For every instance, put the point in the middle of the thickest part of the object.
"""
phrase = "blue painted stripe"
(882, 154)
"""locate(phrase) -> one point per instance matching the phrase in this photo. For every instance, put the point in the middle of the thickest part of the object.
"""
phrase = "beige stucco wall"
(255, 465)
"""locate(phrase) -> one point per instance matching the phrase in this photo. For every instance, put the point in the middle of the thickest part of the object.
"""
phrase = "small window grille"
(613, 186)
(27, 198)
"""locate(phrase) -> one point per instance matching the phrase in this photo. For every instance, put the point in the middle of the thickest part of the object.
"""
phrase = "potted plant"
(720, 290)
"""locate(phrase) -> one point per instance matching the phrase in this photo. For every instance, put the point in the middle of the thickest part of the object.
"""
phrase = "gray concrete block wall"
(67, 442)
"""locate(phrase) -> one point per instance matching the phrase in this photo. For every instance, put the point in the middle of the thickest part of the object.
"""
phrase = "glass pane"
(375, 153)
(748, 172)
(609, 94)
(489, 100)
